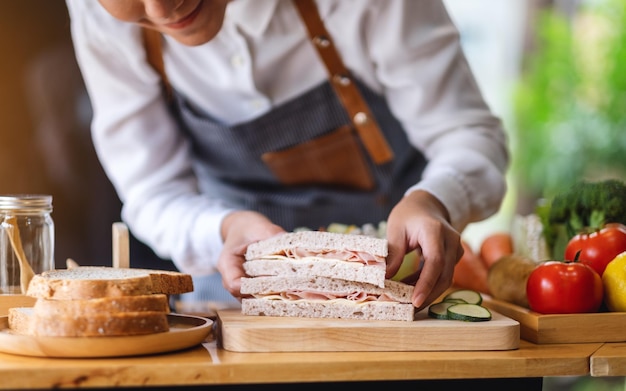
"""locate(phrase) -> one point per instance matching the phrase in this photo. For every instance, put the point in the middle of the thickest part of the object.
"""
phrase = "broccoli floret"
(584, 207)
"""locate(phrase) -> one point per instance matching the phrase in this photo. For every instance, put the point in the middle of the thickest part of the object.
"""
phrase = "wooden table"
(609, 360)
(207, 364)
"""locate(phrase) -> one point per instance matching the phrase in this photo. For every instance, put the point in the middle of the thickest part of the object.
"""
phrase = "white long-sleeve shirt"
(406, 50)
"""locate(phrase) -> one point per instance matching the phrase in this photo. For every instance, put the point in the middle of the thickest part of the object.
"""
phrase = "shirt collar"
(252, 16)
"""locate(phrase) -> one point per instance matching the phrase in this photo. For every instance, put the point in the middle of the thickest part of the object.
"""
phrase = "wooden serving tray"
(185, 331)
(563, 328)
(243, 333)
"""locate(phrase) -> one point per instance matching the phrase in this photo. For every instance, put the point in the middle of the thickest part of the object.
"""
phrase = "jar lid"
(25, 201)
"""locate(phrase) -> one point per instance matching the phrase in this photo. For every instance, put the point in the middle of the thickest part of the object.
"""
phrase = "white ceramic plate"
(185, 331)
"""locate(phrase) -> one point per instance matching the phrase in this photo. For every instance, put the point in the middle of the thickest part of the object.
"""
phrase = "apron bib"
(228, 161)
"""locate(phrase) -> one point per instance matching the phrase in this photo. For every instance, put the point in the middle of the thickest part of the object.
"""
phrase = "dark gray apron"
(227, 161)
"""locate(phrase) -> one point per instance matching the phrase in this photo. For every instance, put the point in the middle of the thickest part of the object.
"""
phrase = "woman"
(251, 139)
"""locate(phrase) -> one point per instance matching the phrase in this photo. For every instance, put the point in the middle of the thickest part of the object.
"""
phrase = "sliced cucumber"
(440, 310)
(467, 295)
(454, 300)
(469, 312)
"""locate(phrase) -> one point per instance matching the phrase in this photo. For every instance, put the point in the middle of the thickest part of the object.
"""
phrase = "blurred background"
(46, 145)
(554, 71)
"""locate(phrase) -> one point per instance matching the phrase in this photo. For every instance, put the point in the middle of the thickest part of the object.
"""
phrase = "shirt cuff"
(451, 193)
(207, 242)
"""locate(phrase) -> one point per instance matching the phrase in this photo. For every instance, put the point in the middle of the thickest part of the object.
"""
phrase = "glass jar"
(25, 223)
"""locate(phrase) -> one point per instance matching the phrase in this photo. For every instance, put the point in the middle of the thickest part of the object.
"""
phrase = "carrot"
(496, 246)
(471, 272)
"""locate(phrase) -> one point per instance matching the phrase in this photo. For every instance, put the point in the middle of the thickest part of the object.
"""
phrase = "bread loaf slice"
(99, 306)
(20, 320)
(288, 268)
(24, 320)
(322, 297)
(342, 309)
(90, 282)
(324, 287)
(317, 241)
(348, 257)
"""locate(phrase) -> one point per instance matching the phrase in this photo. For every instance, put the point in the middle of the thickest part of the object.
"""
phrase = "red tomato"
(598, 248)
(556, 287)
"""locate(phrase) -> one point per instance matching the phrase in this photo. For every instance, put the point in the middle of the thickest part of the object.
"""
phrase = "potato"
(507, 279)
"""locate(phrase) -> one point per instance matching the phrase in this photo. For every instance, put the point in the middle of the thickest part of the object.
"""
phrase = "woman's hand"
(419, 222)
(239, 229)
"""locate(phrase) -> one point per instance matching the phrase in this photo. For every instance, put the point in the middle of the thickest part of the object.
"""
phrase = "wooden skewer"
(121, 250)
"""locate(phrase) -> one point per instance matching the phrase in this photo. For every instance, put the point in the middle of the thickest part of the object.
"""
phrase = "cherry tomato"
(598, 248)
(556, 287)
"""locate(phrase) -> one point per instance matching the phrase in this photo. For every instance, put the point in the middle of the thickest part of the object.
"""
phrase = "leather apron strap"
(346, 89)
(152, 42)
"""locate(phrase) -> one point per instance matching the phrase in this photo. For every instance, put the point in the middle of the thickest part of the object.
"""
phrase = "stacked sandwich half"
(98, 301)
(317, 274)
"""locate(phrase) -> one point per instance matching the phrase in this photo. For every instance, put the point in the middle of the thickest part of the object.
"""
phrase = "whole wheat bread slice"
(288, 268)
(322, 297)
(273, 256)
(269, 285)
(99, 306)
(339, 309)
(317, 241)
(90, 282)
(24, 320)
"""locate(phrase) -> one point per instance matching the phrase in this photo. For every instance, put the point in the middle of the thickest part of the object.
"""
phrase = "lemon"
(614, 280)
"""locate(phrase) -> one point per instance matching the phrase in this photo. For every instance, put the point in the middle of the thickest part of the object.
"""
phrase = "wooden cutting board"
(563, 328)
(241, 333)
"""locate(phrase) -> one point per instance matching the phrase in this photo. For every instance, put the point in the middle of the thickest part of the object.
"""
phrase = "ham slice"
(356, 297)
(344, 255)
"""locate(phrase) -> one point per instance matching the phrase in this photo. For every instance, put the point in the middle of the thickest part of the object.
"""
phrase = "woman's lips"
(187, 20)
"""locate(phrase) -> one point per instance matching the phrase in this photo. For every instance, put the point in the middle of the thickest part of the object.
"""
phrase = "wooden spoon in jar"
(26, 272)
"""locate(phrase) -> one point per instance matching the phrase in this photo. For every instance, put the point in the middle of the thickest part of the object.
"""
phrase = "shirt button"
(236, 61)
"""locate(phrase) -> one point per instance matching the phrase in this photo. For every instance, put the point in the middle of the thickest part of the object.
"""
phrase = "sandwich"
(94, 301)
(357, 258)
(323, 297)
(316, 274)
